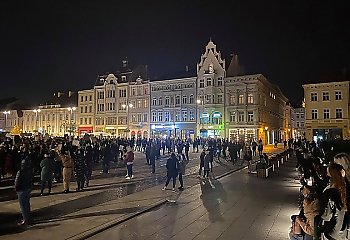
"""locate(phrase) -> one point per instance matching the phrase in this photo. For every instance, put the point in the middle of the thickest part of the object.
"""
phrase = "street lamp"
(36, 117)
(201, 121)
(6, 113)
(126, 107)
(71, 109)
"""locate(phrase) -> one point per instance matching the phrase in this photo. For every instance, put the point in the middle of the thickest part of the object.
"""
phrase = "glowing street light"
(126, 107)
(6, 113)
(71, 109)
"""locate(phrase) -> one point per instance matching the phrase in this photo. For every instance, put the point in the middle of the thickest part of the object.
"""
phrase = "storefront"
(245, 134)
(83, 130)
(173, 130)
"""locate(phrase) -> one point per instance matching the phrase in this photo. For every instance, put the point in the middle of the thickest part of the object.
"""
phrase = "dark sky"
(46, 46)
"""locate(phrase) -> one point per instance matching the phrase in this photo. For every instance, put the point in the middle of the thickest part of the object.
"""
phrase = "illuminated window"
(160, 116)
(192, 115)
(201, 83)
(250, 116)
(250, 98)
(240, 99)
(209, 82)
(232, 116)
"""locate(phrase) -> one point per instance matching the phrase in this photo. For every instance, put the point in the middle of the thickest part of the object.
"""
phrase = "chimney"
(59, 94)
(70, 93)
(186, 68)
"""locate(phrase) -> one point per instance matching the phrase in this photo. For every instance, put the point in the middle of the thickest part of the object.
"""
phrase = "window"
(232, 99)
(201, 83)
(81, 121)
(167, 101)
(160, 116)
(85, 98)
(220, 81)
(325, 96)
(184, 115)
(298, 124)
(184, 99)
(232, 116)
(220, 98)
(90, 120)
(139, 103)
(240, 116)
(217, 117)
(313, 97)
(122, 93)
(139, 117)
(154, 101)
(145, 103)
(154, 117)
(250, 98)
(192, 115)
(81, 99)
(90, 98)
(208, 98)
(81, 109)
(86, 109)
(325, 113)
(133, 91)
(177, 100)
(139, 90)
(100, 95)
(178, 116)
(302, 115)
(314, 114)
(338, 95)
(209, 81)
(145, 90)
(240, 99)
(338, 113)
(191, 99)
(160, 101)
(90, 108)
(250, 116)
(166, 116)
(123, 78)
(145, 117)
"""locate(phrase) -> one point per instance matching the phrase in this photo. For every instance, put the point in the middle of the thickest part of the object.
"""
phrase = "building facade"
(299, 122)
(327, 110)
(254, 109)
(85, 111)
(53, 120)
(173, 108)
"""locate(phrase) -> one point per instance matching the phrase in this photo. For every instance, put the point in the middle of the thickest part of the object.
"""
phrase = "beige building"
(299, 122)
(53, 120)
(10, 119)
(255, 109)
(327, 110)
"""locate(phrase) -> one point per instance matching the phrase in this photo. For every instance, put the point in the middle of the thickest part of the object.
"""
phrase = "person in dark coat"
(23, 187)
(181, 166)
(47, 167)
(89, 159)
(201, 163)
(172, 171)
(80, 168)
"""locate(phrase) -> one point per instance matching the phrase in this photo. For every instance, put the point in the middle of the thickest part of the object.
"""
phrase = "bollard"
(273, 167)
(281, 160)
(278, 163)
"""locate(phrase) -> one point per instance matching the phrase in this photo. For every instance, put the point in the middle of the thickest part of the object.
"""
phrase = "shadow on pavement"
(212, 195)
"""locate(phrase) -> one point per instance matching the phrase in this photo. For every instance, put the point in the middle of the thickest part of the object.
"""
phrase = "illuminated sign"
(162, 127)
(217, 115)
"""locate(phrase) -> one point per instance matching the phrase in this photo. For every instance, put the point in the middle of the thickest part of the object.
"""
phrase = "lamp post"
(201, 121)
(267, 136)
(36, 118)
(6, 113)
(71, 109)
(126, 107)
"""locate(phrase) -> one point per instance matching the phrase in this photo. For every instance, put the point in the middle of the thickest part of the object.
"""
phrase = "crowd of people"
(324, 193)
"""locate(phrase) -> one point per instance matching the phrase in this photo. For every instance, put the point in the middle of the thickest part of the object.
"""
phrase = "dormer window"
(123, 78)
(211, 68)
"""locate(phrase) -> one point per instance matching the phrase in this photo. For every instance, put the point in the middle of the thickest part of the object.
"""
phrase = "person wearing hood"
(23, 187)
(47, 167)
(129, 162)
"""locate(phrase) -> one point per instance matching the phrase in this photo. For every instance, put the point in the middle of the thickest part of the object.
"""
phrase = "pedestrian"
(89, 162)
(247, 156)
(47, 168)
(23, 187)
(201, 163)
(172, 171)
(68, 164)
(153, 157)
(107, 158)
(260, 148)
(206, 165)
(129, 162)
(80, 168)
(187, 149)
(254, 145)
(181, 166)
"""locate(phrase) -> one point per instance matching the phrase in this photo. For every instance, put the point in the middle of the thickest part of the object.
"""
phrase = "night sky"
(47, 46)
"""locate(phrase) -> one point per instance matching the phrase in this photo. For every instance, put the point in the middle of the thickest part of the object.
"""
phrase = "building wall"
(324, 125)
(85, 111)
(254, 109)
(173, 107)
(299, 122)
(52, 119)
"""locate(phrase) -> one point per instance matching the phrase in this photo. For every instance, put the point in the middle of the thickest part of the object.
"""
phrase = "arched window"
(216, 118)
(204, 118)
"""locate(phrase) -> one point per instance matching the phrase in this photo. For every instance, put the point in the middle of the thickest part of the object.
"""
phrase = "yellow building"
(327, 110)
